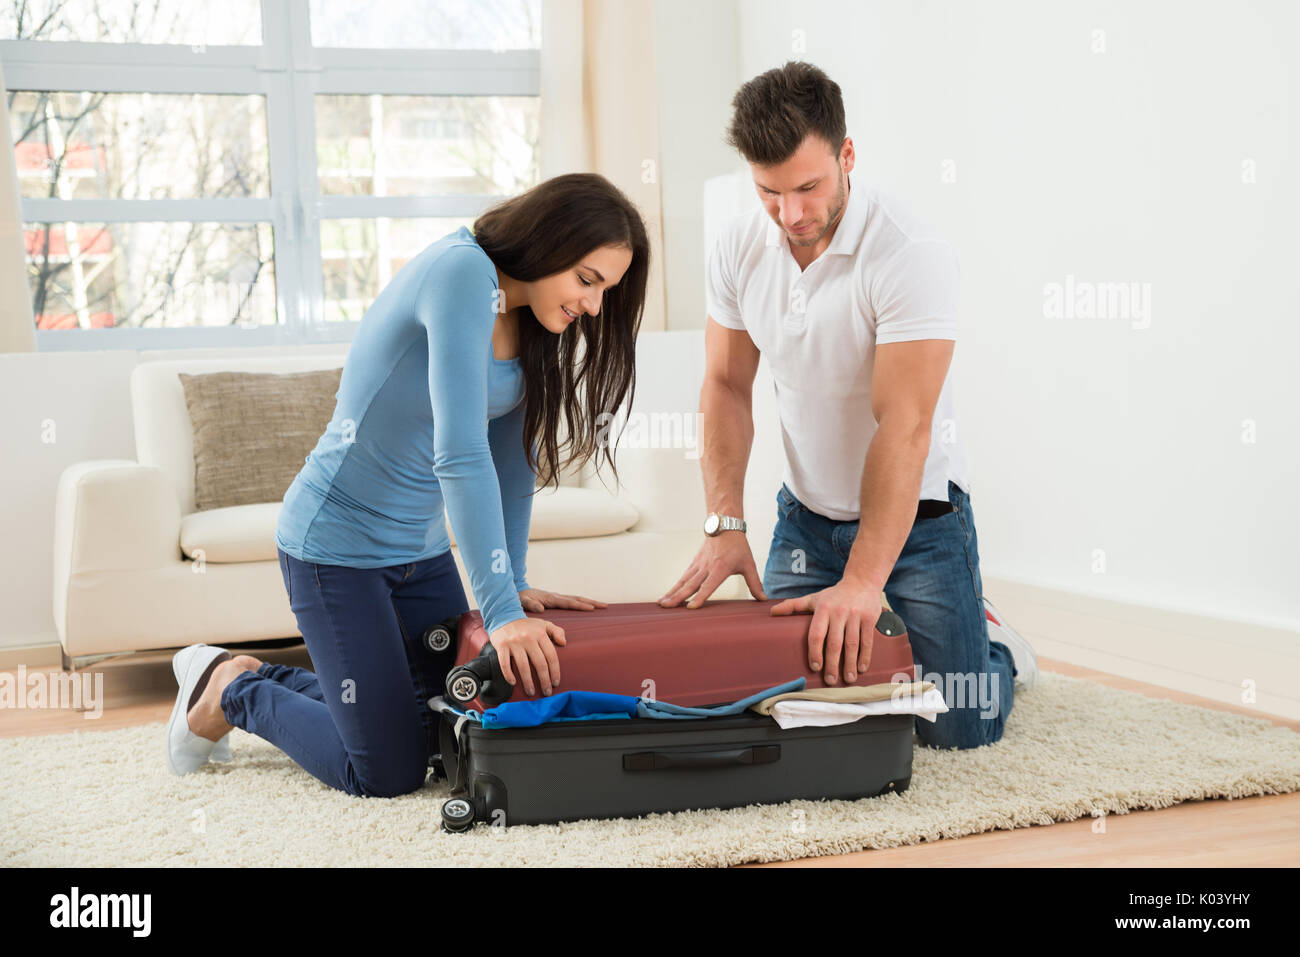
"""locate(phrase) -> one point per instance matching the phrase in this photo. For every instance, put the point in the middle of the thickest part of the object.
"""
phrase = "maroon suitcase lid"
(722, 651)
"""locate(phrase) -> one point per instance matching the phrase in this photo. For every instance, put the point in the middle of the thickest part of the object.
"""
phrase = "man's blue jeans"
(361, 723)
(935, 588)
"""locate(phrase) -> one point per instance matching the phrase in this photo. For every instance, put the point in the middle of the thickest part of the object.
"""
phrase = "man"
(853, 300)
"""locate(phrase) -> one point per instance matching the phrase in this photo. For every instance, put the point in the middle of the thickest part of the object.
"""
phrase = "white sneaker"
(1022, 652)
(221, 750)
(187, 751)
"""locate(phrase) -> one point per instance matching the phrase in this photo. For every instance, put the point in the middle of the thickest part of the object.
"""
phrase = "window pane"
(150, 275)
(139, 145)
(361, 256)
(426, 145)
(192, 22)
(429, 24)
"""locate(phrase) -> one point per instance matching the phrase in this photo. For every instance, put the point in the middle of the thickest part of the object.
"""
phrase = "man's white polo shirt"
(885, 277)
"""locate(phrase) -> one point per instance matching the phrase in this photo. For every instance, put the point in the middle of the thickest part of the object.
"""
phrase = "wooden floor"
(1250, 832)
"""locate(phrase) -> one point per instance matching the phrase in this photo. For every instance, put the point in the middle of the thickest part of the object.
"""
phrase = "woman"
(453, 392)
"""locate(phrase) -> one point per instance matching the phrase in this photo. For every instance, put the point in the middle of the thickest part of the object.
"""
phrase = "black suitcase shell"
(573, 770)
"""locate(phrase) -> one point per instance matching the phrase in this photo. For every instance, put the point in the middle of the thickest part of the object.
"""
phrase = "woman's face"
(559, 299)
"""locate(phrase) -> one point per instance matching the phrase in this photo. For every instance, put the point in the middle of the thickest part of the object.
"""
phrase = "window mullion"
(295, 283)
(293, 43)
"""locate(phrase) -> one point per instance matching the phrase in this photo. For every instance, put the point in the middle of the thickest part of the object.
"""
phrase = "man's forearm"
(726, 435)
(891, 488)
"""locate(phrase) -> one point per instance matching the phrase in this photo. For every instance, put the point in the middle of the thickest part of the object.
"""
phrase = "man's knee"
(961, 728)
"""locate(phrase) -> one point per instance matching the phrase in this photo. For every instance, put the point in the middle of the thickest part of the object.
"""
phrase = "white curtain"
(17, 327)
(600, 114)
(600, 110)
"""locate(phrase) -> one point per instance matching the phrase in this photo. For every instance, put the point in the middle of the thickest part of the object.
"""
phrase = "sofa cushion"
(246, 533)
(253, 431)
(567, 512)
(241, 533)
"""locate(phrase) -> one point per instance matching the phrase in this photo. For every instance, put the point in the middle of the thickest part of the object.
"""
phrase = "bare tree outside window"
(100, 262)
(83, 145)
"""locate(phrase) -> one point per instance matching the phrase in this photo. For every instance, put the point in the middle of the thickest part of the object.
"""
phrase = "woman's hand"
(534, 599)
(526, 641)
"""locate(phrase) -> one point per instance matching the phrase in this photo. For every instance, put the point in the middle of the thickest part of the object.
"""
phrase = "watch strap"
(728, 523)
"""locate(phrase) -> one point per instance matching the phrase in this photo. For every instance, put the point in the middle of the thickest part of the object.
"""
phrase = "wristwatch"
(716, 523)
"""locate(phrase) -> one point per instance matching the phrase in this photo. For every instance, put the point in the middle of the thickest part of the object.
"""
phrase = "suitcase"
(718, 653)
(722, 651)
(572, 770)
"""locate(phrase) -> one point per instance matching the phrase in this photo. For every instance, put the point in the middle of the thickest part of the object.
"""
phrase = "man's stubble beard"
(832, 218)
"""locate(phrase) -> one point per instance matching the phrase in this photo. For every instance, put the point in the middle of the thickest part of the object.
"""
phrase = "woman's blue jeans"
(361, 723)
(935, 588)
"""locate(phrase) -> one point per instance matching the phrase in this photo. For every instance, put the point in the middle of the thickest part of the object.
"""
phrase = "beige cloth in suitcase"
(877, 692)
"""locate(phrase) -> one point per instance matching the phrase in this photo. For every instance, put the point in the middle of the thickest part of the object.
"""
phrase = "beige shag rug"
(1072, 748)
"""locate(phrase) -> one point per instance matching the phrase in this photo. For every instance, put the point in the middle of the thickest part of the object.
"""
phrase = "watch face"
(711, 525)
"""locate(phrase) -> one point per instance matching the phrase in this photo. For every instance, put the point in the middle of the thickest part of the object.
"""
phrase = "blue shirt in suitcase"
(596, 705)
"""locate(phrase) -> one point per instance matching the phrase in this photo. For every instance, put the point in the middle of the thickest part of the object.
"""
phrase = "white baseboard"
(1210, 657)
(30, 651)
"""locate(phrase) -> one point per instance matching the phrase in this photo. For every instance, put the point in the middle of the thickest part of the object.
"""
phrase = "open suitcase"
(719, 653)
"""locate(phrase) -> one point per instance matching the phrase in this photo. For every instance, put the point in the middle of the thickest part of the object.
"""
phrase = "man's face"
(805, 195)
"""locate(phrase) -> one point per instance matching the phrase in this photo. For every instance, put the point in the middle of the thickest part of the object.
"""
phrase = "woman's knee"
(391, 782)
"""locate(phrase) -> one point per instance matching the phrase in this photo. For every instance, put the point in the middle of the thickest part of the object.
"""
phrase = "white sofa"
(136, 568)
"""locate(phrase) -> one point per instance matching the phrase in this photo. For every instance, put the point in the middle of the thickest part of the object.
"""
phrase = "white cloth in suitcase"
(801, 712)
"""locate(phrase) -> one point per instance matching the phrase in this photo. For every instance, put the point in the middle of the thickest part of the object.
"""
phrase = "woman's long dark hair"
(546, 230)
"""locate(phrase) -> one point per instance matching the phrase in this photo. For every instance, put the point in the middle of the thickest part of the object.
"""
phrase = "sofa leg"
(68, 663)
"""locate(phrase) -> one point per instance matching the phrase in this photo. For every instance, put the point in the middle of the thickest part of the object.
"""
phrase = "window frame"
(289, 72)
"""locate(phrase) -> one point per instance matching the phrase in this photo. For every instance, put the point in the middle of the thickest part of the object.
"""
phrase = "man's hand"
(843, 626)
(534, 599)
(720, 557)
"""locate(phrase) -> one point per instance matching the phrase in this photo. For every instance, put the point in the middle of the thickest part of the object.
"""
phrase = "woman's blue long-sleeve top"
(425, 415)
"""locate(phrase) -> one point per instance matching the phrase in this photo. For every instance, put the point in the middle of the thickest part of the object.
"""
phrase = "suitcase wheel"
(457, 815)
(437, 639)
(463, 685)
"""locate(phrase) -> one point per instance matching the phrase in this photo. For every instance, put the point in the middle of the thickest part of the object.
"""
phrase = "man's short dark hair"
(775, 110)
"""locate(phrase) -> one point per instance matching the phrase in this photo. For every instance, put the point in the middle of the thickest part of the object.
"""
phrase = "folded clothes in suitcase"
(720, 653)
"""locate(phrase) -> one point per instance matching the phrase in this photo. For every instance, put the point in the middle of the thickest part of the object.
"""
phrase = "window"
(250, 173)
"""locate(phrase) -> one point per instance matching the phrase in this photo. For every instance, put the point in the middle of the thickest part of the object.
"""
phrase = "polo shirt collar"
(848, 234)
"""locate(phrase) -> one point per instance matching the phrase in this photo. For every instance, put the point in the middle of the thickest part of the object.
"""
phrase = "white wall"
(56, 409)
(1117, 166)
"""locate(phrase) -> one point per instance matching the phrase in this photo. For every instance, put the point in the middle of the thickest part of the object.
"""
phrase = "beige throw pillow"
(253, 431)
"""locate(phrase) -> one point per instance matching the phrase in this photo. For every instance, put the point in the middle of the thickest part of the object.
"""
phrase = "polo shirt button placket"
(797, 313)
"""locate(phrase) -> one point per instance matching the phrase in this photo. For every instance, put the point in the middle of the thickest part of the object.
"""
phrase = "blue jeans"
(935, 588)
(361, 722)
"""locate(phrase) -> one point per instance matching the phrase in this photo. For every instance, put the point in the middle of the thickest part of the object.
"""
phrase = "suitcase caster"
(440, 637)
(437, 639)
(480, 678)
(457, 815)
(463, 686)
